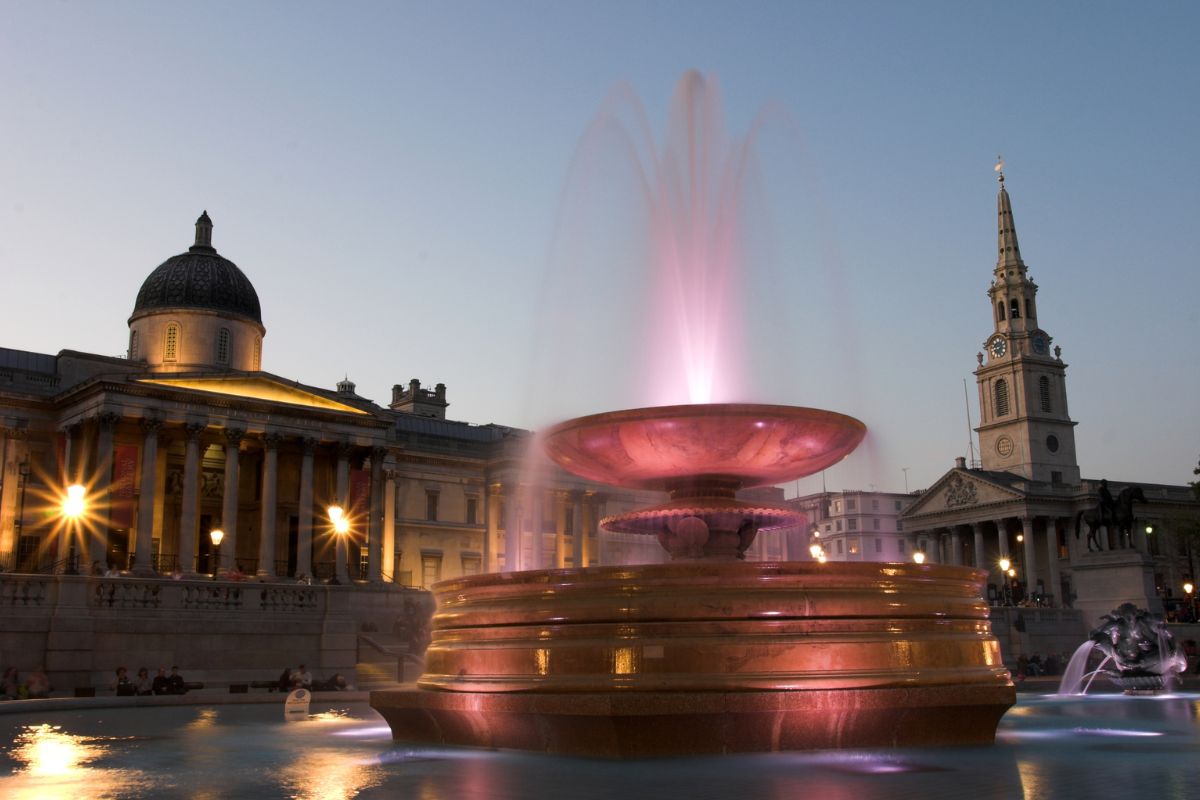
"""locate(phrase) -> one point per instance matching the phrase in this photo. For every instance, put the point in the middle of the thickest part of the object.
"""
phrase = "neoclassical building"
(189, 434)
(1022, 499)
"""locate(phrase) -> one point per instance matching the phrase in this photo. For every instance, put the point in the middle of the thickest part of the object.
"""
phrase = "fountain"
(1144, 656)
(707, 653)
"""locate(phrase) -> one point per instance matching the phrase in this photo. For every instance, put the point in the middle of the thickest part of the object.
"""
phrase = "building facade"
(189, 434)
(855, 525)
(1025, 501)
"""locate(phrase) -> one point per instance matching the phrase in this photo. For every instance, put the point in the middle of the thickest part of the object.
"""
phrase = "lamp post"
(341, 526)
(1188, 589)
(215, 536)
(1005, 566)
(73, 507)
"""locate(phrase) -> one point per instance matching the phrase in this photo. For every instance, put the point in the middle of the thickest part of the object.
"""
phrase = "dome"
(199, 279)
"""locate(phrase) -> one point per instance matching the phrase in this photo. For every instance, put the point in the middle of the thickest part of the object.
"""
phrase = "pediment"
(255, 387)
(960, 489)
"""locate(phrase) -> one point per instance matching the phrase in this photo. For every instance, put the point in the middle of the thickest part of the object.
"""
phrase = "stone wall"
(218, 632)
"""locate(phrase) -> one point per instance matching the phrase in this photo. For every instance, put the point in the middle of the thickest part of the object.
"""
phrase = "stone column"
(98, 541)
(375, 524)
(1054, 581)
(578, 531)
(188, 519)
(1002, 538)
(1139, 542)
(512, 528)
(537, 555)
(1030, 555)
(980, 552)
(143, 563)
(229, 502)
(69, 549)
(304, 525)
(388, 558)
(342, 498)
(270, 494)
(71, 455)
(955, 547)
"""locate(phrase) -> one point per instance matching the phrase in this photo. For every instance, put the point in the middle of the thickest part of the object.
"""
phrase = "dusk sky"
(391, 178)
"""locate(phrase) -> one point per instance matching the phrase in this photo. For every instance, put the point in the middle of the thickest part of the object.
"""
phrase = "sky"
(392, 179)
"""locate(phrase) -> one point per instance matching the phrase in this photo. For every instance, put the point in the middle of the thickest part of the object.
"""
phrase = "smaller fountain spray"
(1140, 655)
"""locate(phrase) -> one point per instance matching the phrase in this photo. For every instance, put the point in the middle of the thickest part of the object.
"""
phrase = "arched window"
(133, 354)
(1001, 398)
(171, 343)
(223, 346)
(1014, 308)
(257, 352)
(1044, 393)
(1000, 311)
(1029, 313)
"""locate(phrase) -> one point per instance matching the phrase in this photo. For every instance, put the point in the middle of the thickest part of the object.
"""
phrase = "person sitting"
(38, 686)
(175, 682)
(143, 685)
(121, 683)
(335, 684)
(161, 685)
(302, 678)
(10, 685)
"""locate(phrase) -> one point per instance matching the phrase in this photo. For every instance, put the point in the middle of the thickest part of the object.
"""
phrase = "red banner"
(124, 479)
(360, 493)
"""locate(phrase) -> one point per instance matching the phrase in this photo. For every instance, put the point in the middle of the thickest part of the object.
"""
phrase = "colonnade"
(524, 550)
(1037, 555)
(88, 456)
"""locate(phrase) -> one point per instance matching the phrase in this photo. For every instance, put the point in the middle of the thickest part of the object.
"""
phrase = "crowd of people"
(143, 684)
(36, 686)
(301, 678)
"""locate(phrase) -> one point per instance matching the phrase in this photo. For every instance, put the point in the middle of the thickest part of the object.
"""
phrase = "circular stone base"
(659, 724)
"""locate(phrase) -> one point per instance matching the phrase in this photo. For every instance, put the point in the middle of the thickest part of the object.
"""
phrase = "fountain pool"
(1085, 747)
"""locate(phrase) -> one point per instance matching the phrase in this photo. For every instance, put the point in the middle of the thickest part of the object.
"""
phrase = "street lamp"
(919, 556)
(1188, 588)
(73, 507)
(215, 536)
(1005, 565)
(341, 526)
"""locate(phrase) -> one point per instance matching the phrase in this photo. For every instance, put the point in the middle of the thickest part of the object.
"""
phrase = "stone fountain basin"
(743, 444)
(688, 658)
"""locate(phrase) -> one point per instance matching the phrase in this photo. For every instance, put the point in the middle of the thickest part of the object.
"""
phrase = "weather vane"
(1000, 167)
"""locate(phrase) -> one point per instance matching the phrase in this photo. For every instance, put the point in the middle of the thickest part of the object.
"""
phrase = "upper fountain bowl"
(742, 443)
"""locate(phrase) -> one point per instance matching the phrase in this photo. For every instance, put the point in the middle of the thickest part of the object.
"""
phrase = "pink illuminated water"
(655, 283)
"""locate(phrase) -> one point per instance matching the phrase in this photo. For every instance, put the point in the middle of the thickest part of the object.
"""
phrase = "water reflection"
(329, 774)
(56, 765)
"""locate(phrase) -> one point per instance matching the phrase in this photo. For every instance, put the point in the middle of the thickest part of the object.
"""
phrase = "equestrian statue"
(1112, 514)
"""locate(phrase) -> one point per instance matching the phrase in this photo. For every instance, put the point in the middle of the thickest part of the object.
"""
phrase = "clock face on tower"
(1039, 345)
(998, 347)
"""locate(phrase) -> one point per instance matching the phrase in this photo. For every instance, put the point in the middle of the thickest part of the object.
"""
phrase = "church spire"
(1009, 252)
(204, 228)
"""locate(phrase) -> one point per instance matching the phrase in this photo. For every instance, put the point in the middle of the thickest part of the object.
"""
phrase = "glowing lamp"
(1020, 537)
(919, 557)
(341, 523)
(815, 550)
(215, 536)
(1188, 588)
(1005, 564)
(1012, 573)
(1149, 529)
(74, 503)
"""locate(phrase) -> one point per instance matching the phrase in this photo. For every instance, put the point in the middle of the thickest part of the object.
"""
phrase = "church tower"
(1023, 424)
